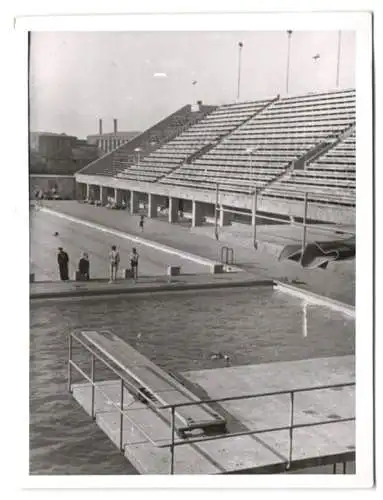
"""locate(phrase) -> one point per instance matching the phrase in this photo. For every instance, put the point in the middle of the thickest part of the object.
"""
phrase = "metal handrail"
(172, 445)
(118, 407)
(252, 432)
(108, 365)
(94, 385)
(258, 395)
(172, 407)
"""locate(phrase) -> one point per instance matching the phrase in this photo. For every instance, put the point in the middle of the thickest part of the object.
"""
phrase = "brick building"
(110, 141)
(62, 154)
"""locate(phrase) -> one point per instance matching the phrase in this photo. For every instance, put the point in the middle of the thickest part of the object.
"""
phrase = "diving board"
(152, 385)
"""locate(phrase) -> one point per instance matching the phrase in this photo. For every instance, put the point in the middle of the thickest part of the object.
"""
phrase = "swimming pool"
(178, 331)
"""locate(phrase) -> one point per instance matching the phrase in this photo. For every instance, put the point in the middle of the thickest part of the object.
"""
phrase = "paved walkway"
(337, 282)
(50, 230)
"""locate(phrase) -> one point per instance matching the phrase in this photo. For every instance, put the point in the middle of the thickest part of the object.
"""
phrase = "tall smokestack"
(115, 125)
(100, 126)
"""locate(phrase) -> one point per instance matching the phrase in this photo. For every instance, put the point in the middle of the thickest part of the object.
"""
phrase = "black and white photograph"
(192, 249)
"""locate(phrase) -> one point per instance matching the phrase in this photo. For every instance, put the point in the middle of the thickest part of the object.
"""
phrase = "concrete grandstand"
(284, 149)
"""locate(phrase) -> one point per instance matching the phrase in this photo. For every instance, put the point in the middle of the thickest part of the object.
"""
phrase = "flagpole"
(240, 46)
(289, 33)
(338, 58)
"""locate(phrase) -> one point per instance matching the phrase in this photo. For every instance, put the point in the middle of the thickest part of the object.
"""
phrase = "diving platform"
(152, 385)
(266, 418)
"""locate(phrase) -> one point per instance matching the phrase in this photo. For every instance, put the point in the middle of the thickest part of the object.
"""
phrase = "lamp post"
(289, 33)
(250, 152)
(253, 189)
(338, 58)
(240, 46)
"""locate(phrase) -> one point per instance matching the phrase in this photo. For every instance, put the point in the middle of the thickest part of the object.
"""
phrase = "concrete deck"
(265, 453)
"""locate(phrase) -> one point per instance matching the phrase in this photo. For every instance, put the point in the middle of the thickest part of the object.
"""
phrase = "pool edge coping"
(316, 298)
(168, 287)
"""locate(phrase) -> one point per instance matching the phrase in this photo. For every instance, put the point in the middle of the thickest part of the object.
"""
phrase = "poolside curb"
(169, 287)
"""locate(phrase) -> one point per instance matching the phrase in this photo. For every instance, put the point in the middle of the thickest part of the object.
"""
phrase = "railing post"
(291, 430)
(334, 468)
(172, 440)
(92, 376)
(70, 364)
(122, 415)
(344, 467)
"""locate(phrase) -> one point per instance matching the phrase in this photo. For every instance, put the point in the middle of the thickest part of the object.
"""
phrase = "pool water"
(177, 331)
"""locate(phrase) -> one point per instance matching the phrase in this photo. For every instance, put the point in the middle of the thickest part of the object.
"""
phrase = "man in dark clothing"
(63, 260)
(181, 208)
(83, 266)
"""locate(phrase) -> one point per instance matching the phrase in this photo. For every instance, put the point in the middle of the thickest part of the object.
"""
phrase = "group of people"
(50, 194)
(110, 203)
(63, 263)
(84, 264)
(114, 263)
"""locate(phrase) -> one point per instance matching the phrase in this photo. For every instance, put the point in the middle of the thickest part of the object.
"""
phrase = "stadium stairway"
(308, 158)
(301, 177)
(325, 147)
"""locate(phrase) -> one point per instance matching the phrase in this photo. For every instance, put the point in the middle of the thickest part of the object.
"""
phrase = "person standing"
(114, 261)
(63, 261)
(83, 267)
(142, 218)
(181, 209)
(134, 263)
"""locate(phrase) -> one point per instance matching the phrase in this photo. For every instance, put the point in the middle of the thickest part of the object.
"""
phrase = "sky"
(141, 77)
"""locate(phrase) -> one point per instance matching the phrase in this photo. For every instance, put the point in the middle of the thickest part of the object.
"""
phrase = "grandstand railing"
(291, 426)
